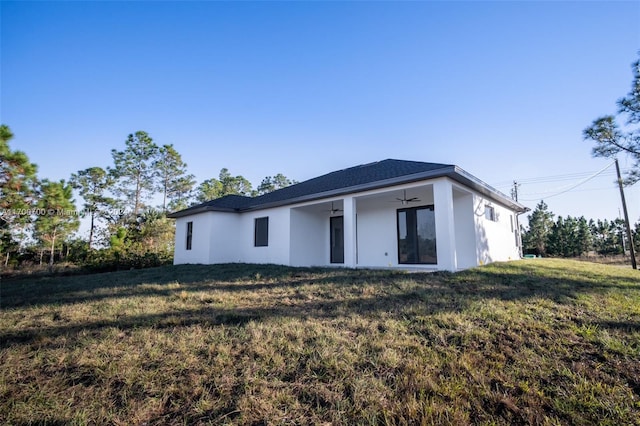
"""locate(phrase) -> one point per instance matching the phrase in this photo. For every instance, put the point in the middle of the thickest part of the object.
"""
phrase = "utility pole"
(624, 242)
(626, 219)
(514, 190)
(514, 195)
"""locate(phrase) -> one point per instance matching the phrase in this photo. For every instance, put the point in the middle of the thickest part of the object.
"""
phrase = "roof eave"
(200, 209)
(462, 176)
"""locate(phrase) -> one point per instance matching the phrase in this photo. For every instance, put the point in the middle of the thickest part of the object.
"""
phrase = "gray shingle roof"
(230, 202)
(348, 178)
(365, 176)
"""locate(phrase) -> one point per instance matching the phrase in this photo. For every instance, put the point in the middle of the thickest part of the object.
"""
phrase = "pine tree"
(610, 139)
(226, 184)
(557, 239)
(540, 223)
(93, 184)
(569, 237)
(133, 170)
(584, 239)
(619, 233)
(270, 184)
(208, 190)
(600, 233)
(57, 218)
(607, 236)
(636, 237)
(173, 181)
(234, 185)
(18, 183)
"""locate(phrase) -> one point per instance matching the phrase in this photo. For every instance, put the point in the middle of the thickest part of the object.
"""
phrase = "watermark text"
(59, 212)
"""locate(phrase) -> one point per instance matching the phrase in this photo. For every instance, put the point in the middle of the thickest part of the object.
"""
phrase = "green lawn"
(528, 342)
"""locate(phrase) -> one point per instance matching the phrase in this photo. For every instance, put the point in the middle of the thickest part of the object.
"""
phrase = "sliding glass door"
(417, 236)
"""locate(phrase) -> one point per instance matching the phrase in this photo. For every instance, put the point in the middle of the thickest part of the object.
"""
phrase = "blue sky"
(502, 89)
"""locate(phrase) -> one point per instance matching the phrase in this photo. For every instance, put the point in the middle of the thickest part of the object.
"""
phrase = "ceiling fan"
(404, 200)
(333, 209)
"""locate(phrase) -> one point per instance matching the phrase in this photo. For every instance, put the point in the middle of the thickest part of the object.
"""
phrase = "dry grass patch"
(531, 342)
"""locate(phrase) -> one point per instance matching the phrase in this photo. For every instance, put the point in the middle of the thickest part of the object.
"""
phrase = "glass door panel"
(336, 229)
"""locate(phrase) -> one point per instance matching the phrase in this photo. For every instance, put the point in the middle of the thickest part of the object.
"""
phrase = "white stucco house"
(391, 213)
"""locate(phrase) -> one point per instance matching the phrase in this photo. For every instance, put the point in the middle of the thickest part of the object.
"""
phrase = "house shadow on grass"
(58, 290)
(278, 292)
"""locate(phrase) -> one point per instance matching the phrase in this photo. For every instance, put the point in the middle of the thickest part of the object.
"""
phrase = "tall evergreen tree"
(234, 185)
(226, 184)
(636, 237)
(208, 190)
(619, 230)
(584, 239)
(18, 183)
(133, 170)
(607, 236)
(610, 138)
(270, 184)
(58, 218)
(17, 175)
(569, 237)
(173, 181)
(558, 238)
(93, 184)
(540, 223)
(599, 230)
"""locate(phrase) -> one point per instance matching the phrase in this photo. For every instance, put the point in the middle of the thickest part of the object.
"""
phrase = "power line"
(608, 188)
(574, 186)
(552, 178)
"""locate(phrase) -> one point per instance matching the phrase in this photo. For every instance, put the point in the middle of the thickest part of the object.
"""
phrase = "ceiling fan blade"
(333, 209)
(404, 200)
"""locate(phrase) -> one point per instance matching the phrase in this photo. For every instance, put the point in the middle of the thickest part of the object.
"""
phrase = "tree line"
(39, 218)
(547, 235)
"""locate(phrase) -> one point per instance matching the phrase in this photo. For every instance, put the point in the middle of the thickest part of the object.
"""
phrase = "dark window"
(189, 234)
(417, 236)
(261, 234)
(490, 213)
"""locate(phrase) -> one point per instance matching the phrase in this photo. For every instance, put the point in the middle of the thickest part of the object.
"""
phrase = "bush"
(111, 260)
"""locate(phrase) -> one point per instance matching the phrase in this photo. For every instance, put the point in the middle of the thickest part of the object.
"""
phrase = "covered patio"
(420, 225)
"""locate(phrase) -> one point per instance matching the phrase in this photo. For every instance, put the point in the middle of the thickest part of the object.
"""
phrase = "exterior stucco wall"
(496, 240)
(377, 236)
(201, 235)
(278, 249)
(224, 245)
(445, 229)
(309, 238)
(465, 229)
